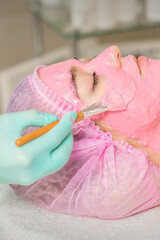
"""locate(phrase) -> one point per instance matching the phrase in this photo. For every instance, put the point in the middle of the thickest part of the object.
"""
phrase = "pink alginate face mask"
(103, 178)
(130, 83)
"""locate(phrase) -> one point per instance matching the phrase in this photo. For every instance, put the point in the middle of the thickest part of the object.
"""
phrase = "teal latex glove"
(47, 154)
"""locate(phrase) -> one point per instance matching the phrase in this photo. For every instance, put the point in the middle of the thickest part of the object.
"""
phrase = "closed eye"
(95, 80)
(73, 82)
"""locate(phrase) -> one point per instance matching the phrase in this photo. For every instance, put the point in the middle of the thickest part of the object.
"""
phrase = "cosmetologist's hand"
(45, 155)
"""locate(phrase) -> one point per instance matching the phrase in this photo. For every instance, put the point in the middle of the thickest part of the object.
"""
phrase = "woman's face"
(107, 78)
(127, 84)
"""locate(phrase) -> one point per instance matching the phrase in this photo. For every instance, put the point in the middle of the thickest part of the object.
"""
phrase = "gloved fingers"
(52, 139)
(21, 120)
(48, 164)
(58, 157)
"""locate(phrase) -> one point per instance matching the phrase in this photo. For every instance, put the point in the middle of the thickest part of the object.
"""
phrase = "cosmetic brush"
(113, 101)
(87, 112)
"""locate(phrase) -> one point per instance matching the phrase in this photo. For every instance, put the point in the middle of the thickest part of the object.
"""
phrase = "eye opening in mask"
(95, 79)
(73, 81)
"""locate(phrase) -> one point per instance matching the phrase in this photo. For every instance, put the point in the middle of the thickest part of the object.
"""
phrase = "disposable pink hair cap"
(103, 178)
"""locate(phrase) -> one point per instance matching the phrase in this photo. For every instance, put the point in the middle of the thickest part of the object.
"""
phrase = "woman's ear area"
(110, 56)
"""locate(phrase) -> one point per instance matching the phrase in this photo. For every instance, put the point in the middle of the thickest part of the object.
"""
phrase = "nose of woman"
(110, 56)
(117, 57)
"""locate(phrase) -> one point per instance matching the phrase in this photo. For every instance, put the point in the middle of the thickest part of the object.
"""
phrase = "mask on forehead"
(58, 78)
(119, 87)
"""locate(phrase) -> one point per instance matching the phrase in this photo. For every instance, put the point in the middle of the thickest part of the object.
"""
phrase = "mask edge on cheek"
(115, 94)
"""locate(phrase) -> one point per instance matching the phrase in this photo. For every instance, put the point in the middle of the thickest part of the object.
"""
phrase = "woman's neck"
(154, 156)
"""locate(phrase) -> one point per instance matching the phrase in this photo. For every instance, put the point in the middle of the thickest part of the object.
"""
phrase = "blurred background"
(43, 32)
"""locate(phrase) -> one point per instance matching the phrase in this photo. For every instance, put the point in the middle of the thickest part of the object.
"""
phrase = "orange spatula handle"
(39, 132)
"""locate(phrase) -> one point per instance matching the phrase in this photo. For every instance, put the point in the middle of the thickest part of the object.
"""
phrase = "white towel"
(20, 220)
